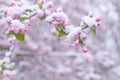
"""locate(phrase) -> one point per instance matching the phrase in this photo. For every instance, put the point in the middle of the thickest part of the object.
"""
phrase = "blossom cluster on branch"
(17, 18)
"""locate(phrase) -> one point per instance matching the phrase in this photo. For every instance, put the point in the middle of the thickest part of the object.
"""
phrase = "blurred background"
(44, 56)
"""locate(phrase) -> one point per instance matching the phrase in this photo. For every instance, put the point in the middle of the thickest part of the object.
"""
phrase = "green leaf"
(94, 31)
(81, 42)
(40, 5)
(60, 27)
(20, 36)
(23, 18)
(42, 18)
(61, 34)
(28, 10)
(1, 72)
(0, 17)
(3, 66)
(12, 68)
(10, 34)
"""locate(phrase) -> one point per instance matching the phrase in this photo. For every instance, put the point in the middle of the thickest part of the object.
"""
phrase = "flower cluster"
(91, 22)
(24, 16)
(18, 18)
(7, 69)
(58, 17)
(59, 20)
(76, 37)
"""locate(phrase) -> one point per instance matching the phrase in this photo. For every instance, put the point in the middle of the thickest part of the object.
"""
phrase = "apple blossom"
(47, 12)
(59, 9)
(42, 1)
(18, 19)
(49, 4)
(12, 3)
(40, 13)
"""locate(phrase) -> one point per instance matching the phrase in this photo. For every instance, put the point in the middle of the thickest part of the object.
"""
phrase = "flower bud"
(85, 50)
(42, 1)
(49, 4)
(16, 15)
(55, 23)
(59, 9)
(22, 31)
(40, 13)
(12, 3)
(98, 19)
(77, 45)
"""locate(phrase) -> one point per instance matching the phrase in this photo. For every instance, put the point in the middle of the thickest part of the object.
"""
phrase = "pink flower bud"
(84, 37)
(85, 50)
(79, 32)
(55, 23)
(10, 31)
(12, 3)
(21, 31)
(40, 13)
(49, 4)
(65, 23)
(9, 21)
(47, 13)
(77, 45)
(59, 9)
(42, 1)
(16, 15)
(98, 19)
(5, 12)
(54, 17)
(94, 26)
(11, 40)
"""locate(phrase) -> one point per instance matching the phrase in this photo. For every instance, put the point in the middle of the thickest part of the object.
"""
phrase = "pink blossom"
(9, 19)
(98, 19)
(21, 31)
(31, 21)
(12, 3)
(16, 15)
(47, 13)
(40, 13)
(85, 50)
(94, 26)
(42, 1)
(5, 12)
(59, 9)
(55, 23)
(49, 4)
(77, 45)
(11, 40)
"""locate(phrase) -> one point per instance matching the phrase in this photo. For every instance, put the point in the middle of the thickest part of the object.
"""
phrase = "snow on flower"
(59, 9)
(50, 4)
(91, 21)
(40, 13)
(61, 17)
(17, 26)
(74, 34)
